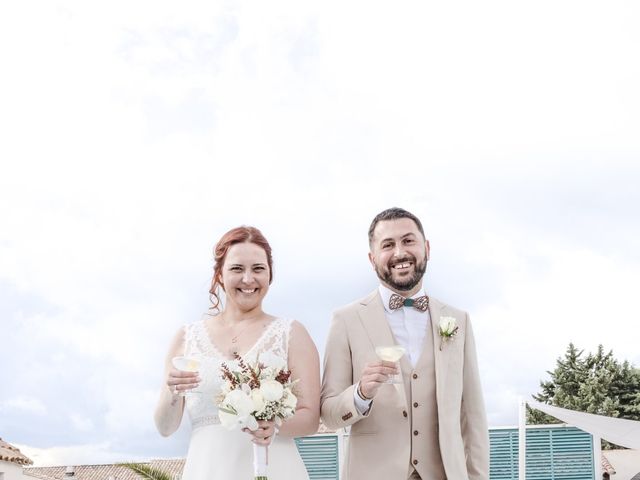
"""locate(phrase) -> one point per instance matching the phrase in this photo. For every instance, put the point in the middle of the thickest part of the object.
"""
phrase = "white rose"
(231, 421)
(243, 405)
(258, 400)
(240, 402)
(271, 390)
(447, 324)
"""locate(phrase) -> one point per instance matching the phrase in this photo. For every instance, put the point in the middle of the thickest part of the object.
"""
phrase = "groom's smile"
(402, 266)
(402, 273)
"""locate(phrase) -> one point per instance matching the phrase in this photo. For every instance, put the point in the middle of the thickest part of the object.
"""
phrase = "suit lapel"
(374, 321)
(439, 358)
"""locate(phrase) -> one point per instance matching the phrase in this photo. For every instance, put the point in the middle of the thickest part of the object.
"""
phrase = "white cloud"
(122, 417)
(24, 404)
(99, 453)
(81, 423)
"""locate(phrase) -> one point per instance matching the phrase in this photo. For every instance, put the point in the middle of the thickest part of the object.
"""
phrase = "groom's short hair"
(394, 213)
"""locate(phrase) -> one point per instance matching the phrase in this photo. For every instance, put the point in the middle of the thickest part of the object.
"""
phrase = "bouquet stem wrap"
(260, 461)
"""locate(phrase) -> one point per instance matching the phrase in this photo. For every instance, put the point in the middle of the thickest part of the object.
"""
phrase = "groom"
(432, 425)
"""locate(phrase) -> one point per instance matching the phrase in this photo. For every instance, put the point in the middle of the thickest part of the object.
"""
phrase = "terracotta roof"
(104, 472)
(11, 454)
(606, 466)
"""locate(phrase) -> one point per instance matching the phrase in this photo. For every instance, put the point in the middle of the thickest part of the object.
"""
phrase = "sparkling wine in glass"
(391, 353)
(187, 363)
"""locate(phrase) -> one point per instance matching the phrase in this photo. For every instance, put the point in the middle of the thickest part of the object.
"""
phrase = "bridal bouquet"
(263, 391)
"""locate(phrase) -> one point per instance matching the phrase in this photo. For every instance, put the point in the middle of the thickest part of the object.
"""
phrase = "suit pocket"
(365, 426)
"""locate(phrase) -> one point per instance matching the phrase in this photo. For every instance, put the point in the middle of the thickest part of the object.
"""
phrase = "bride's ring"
(175, 390)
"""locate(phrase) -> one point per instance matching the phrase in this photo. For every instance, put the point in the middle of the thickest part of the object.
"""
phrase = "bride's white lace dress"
(216, 453)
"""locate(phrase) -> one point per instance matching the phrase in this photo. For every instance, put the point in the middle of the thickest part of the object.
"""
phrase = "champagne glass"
(391, 353)
(187, 363)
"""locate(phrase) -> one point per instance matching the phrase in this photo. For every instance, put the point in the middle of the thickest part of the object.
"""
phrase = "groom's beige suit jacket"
(398, 432)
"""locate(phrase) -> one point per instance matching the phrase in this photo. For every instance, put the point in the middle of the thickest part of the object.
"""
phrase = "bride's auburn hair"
(235, 235)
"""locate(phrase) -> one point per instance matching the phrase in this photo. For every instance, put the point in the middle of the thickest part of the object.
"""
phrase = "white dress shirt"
(409, 326)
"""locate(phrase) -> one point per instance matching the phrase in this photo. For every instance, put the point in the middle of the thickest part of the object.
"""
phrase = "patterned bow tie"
(421, 303)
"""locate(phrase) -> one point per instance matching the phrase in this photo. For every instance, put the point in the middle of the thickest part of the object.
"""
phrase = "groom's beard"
(384, 273)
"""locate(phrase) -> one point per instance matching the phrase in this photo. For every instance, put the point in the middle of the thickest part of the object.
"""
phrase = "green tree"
(595, 383)
(563, 388)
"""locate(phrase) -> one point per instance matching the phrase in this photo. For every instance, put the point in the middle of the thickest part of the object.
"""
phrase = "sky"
(134, 134)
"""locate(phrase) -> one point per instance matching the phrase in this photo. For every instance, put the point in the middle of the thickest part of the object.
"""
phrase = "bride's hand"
(265, 433)
(179, 381)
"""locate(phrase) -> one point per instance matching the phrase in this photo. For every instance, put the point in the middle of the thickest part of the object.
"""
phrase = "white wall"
(10, 471)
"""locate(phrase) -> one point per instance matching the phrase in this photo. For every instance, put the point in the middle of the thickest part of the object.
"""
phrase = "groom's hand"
(374, 375)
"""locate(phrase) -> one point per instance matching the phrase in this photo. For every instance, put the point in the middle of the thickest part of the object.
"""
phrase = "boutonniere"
(447, 329)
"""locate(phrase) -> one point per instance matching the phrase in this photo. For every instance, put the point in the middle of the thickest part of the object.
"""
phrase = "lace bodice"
(201, 406)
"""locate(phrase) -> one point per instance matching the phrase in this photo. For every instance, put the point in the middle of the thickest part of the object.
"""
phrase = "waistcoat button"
(405, 414)
(415, 404)
(415, 432)
(415, 462)
(415, 375)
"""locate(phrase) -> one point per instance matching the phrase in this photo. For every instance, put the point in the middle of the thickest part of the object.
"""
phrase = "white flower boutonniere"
(447, 328)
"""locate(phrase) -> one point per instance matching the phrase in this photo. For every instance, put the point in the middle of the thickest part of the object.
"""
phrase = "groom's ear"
(427, 248)
(370, 255)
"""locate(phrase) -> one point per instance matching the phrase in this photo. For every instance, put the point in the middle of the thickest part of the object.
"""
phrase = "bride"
(243, 270)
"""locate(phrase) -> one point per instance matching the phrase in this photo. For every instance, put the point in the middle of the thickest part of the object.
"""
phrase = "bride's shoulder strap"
(276, 339)
(188, 338)
(288, 322)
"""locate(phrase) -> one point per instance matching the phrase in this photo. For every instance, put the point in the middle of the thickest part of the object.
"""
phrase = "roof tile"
(11, 454)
